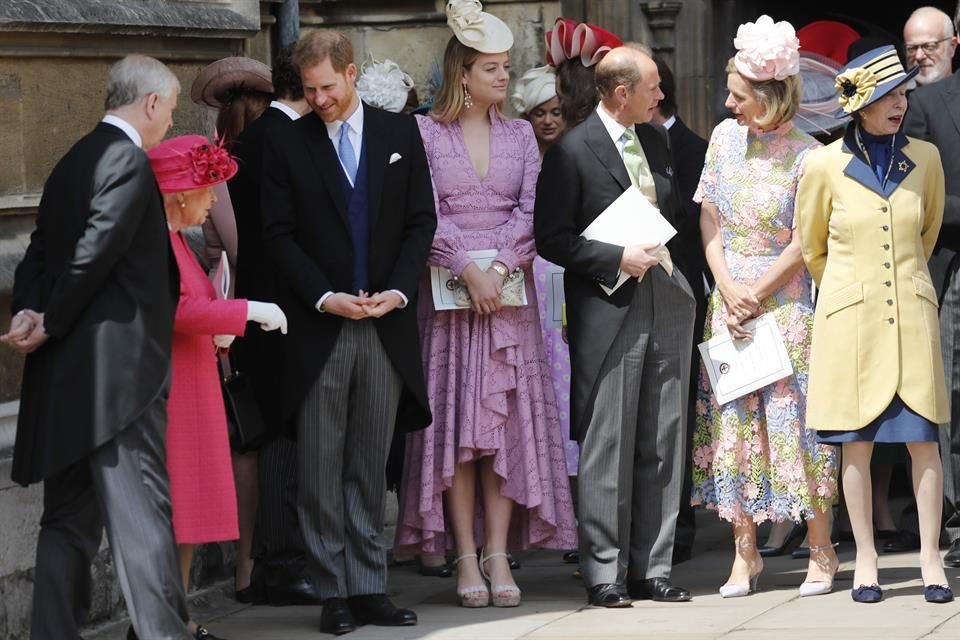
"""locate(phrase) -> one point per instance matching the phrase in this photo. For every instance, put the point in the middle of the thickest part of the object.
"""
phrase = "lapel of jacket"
(951, 98)
(324, 156)
(606, 150)
(658, 164)
(375, 147)
(862, 172)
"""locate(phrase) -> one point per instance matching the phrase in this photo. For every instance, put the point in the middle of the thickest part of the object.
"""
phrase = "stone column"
(662, 22)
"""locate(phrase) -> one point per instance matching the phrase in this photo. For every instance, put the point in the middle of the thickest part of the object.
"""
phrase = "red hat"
(568, 40)
(190, 162)
(827, 38)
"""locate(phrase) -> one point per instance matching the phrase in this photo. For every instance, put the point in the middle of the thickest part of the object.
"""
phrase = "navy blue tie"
(346, 153)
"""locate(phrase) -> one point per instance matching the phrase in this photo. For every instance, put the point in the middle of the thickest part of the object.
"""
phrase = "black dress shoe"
(609, 595)
(377, 609)
(902, 541)
(793, 538)
(202, 634)
(952, 557)
(572, 557)
(656, 589)
(800, 553)
(435, 571)
(291, 593)
(938, 593)
(336, 618)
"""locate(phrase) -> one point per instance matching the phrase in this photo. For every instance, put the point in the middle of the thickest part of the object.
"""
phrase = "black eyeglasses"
(928, 47)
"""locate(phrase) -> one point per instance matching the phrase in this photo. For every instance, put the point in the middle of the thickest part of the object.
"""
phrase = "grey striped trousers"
(344, 429)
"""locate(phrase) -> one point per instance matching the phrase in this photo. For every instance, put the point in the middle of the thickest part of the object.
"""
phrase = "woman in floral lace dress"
(494, 453)
(754, 460)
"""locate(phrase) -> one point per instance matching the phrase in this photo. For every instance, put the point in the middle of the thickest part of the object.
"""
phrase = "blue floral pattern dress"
(754, 457)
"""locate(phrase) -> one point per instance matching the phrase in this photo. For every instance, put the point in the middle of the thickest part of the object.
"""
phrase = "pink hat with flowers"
(767, 50)
(190, 162)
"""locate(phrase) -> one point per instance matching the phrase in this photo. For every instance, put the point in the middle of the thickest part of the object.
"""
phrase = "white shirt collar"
(614, 128)
(669, 122)
(293, 115)
(355, 121)
(124, 126)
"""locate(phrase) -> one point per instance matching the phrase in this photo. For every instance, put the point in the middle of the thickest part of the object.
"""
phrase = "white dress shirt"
(290, 113)
(124, 126)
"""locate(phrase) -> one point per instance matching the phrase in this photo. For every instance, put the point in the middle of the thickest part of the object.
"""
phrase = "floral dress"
(753, 457)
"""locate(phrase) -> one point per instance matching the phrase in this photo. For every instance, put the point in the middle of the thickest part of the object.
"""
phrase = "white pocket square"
(394, 157)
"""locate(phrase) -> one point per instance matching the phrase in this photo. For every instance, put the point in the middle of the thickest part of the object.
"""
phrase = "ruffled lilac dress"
(488, 381)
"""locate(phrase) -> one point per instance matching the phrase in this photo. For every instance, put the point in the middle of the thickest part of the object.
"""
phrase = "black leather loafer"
(376, 609)
(657, 589)
(336, 618)
(901, 542)
(612, 596)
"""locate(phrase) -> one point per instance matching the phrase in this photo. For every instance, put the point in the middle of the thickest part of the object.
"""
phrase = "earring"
(467, 98)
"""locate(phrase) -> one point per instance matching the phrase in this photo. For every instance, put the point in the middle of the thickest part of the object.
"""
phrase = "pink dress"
(202, 490)
(487, 378)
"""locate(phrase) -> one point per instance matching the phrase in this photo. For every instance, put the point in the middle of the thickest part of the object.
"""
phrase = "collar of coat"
(860, 170)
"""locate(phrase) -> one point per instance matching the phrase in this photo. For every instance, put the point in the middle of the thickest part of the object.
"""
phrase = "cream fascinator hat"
(384, 85)
(476, 28)
(534, 88)
(767, 50)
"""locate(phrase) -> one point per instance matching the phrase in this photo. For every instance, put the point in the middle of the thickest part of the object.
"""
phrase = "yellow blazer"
(876, 332)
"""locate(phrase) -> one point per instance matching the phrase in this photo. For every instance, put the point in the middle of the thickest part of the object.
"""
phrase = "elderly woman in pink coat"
(202, 490)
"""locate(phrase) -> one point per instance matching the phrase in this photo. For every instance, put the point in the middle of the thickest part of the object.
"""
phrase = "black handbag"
(245, 424)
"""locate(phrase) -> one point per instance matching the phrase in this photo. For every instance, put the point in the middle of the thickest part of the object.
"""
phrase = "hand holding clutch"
(268, 315)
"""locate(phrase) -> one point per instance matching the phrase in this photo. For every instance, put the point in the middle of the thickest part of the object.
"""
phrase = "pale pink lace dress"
(487, 377)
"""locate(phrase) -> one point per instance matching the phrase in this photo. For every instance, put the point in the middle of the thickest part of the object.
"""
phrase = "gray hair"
(136, 77)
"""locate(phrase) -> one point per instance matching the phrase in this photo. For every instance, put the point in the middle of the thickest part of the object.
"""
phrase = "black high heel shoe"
(794, 538)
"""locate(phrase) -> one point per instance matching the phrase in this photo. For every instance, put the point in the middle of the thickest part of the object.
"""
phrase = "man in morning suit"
(688, 152)
(629, 351)
(934, 115)
(94, 298)
(280, 576)
(349, 218)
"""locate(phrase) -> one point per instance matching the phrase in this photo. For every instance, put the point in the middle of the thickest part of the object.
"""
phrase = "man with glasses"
(930, 43)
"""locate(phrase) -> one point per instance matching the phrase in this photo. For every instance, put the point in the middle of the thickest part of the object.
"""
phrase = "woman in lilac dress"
(494, 414)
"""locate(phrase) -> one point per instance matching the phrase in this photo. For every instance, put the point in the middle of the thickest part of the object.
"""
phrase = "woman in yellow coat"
(869, 208)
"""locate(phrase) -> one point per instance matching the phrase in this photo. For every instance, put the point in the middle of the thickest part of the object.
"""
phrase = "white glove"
(268, 315)
(223, 341)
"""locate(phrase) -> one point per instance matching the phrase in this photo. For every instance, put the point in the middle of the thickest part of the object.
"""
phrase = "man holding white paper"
(629, 349)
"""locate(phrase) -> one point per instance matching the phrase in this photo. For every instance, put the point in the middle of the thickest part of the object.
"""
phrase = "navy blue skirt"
(897, 423)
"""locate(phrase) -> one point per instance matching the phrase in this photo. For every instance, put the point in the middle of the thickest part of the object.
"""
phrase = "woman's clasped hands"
(740, 304)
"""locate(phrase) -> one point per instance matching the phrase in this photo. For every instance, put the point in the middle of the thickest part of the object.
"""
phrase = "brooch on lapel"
(394, 157)
(902, 166)
(669, 171)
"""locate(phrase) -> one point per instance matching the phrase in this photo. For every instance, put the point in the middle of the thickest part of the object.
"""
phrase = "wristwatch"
(500, 268)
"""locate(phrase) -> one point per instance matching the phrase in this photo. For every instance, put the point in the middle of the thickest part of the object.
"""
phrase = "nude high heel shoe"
(502, 595)
(820, 587)
(475, 596)
(734, 590)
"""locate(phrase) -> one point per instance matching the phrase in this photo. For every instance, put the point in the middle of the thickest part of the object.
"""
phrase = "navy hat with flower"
(870, 76)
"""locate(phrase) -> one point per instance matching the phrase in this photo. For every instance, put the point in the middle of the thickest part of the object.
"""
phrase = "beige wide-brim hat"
(230, 74)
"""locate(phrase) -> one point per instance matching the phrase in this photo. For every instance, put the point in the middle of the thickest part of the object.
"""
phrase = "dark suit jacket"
(307, 233)
(934, 115)
(689, 151)
(259, 354)
(99, 267)
(582, 174)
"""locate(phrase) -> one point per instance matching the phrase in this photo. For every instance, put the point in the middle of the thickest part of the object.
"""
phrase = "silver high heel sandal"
(733, 590)
(819, 587)
(476, 596)
(502, 595)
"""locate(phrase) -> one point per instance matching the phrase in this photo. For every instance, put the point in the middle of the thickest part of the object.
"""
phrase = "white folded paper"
(737, 367)
(553, 285)
(221, 278)
(444, 285)
(629, 220)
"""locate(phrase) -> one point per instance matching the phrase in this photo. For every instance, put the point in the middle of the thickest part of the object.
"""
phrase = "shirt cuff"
(403, 305)
(323, 298)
